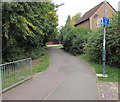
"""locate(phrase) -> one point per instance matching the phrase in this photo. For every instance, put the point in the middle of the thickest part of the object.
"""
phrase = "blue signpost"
(106, 21)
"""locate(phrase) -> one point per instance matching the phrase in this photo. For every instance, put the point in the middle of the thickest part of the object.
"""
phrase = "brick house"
(92, 18)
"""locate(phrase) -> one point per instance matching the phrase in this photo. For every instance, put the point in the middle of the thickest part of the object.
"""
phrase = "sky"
(72, 7)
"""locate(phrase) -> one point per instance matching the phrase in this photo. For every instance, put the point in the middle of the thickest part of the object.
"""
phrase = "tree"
(69, 25)
(69, 21)
(76, 18)
(27, 26)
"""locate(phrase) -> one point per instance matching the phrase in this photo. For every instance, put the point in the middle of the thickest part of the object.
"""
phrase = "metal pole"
(0, 84)
(104, 40)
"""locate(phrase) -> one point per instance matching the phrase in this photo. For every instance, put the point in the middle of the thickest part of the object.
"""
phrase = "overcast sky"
(71, 7)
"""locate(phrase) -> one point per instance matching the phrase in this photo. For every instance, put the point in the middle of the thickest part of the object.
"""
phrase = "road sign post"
(104, 40)
(105, 22)
(104, 53)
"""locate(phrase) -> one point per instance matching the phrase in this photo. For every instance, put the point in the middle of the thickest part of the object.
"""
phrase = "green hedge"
(90, 43)
(17, 53)
(94, 45)
(75, 39)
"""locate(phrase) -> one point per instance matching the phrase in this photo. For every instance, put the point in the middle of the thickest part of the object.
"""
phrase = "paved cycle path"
(67, 78)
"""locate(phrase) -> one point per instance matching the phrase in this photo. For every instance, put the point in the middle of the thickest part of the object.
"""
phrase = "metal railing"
(14, 73)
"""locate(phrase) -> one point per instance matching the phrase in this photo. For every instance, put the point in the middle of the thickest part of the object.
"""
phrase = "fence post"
(0, 50)
(31, 67)
(0, 86)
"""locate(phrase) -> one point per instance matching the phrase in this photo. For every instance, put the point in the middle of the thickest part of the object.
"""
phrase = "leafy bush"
(94, 45)
(26, 27)
(64, 30)
(75, 39)
(17, 53)
(13, 54)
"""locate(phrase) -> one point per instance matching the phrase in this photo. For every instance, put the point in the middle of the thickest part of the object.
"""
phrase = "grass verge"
(54, 46)
(39, 64)
(42, 63)
(112, 72)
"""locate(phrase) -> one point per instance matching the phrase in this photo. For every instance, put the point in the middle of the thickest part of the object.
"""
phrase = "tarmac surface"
(67, 78)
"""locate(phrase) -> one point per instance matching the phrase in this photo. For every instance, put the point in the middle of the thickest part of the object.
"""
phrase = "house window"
(96, 15)
(99, 22)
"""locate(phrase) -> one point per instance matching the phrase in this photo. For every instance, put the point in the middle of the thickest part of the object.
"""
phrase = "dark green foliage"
(68, 26)
(76, 18)
(27, 26)
(93, 47)
(75, 39)
(95, 44)
(64, 30)
(79, 41)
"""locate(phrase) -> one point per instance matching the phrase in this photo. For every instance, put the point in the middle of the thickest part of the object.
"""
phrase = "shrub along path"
(67, 78)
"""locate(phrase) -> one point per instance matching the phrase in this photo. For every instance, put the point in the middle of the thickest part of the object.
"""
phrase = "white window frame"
(99, 22)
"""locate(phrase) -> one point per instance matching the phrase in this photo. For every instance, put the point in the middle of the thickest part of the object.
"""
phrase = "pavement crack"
(54, 89)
